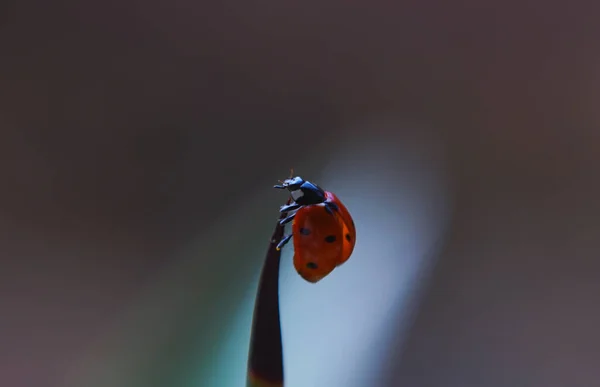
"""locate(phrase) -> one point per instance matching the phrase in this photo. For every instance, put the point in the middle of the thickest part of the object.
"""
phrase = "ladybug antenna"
(283, 182)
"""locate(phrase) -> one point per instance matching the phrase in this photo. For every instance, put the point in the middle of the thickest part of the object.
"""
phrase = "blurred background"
(139, 145)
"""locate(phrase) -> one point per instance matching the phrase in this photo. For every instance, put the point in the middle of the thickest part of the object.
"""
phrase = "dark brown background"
(129, 128)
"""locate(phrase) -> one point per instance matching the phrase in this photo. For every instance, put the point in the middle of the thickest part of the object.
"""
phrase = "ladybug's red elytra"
(323, 230)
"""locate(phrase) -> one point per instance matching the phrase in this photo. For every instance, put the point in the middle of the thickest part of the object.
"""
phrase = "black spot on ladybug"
(304, 231)
(330, 238)
(334, 206)
(311, 265)
(348, 237)
(328, 210)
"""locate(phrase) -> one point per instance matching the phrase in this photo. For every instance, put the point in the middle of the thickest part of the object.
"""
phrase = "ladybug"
(323, 230)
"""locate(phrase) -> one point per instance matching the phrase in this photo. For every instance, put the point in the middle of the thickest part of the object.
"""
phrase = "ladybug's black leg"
(290, 207)
(284, 241)
(287, 220)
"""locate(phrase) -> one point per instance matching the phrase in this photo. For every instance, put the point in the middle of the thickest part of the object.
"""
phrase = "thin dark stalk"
(265, 359)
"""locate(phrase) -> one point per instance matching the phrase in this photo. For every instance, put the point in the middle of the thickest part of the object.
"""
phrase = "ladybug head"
(291, 184)
(303, 192)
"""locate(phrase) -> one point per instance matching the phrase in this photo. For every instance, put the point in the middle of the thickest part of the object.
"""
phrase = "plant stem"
(265, 359)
